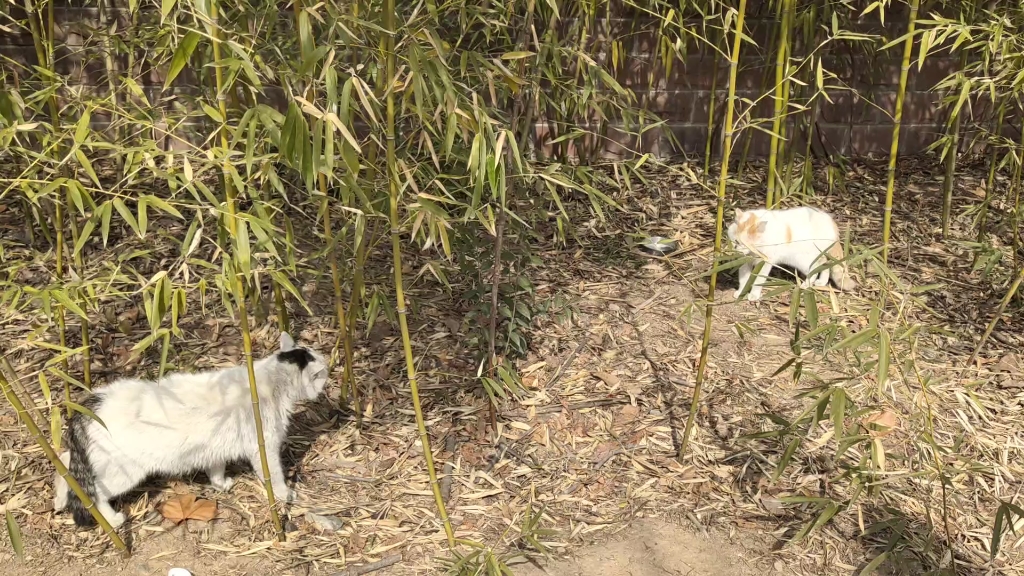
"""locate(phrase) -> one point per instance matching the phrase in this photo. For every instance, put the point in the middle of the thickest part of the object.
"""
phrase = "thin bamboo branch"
(730, 106)
(391, 167)
(236, 277)
(781, 84)
(908, 50)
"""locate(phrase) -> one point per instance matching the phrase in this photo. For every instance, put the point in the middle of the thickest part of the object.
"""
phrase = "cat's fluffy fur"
(803, 238)
(183, 423)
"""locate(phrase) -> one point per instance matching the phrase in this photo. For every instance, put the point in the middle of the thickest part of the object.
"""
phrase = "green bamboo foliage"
(781, 91)
(238, 265)
(908, 49)
(730, 107)
(51, 455)
(391, 169)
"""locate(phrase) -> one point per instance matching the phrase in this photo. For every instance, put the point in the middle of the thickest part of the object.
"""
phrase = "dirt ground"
(653, 547)
(594, 438)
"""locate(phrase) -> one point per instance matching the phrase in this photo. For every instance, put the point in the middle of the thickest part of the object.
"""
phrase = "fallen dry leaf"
(609, 379)
(1009, 363)
(186, 507)
(880, 424)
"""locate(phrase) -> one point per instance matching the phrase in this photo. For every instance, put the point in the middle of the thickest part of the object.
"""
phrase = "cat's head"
(313, 369)
(745, 230)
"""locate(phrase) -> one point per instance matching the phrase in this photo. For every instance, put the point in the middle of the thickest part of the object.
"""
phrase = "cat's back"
(809, 223)
(176, 395)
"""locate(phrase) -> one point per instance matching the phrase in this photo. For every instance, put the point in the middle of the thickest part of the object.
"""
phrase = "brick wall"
(854, 121)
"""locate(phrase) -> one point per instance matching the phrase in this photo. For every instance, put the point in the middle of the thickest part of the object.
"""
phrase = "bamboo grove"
(288, 139)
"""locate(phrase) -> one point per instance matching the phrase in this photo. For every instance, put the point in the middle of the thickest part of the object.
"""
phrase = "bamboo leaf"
(127, 215)
(87, 166)
(82, 128)
(162, 204)
(67, 302)
(883, 358)
(166, 6)
(854, 340)
(14, 532)
(84, 235)
(787, 455)
(181, 56)
(84, 410)
(243, 251)
(105, 212)
(874, 564)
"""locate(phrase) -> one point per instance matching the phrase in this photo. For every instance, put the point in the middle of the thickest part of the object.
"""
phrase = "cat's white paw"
(285, 494)
(821, 281)
(736, 294)
(754, 295)
(117, 520)
(224, 484)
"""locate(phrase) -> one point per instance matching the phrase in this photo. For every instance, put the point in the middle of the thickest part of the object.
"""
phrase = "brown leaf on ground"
(187, 507)
(880, 424)
(609, 379)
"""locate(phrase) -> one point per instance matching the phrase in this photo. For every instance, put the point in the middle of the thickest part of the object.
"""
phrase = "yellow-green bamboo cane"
(990, 181)
(781, 81)
(62, 470)
(391, 169)
(995, 319)
(43, 42)
(953, 136)
(339, 305)
(237, 285)
(730, 107)
(1015, 184)
(708, 145)
(908, 49)
(86, 343)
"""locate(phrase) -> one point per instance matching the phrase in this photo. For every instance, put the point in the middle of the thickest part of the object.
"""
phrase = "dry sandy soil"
(593, 439)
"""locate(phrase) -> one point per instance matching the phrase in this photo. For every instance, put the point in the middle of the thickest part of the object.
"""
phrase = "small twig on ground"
(371, 567)
(446, 480)
(568, 361)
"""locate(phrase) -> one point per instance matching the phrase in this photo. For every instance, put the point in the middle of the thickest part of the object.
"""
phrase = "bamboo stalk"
(1015, 185)
(781, 85)
(493, 327)
(239, 288)
(62, 470)
(908, 49)
(953, 136)
(43, 42)
(708, 145)
(339, 305)
(990, 181)
(999, 314)
(391, 167)
(86, 342)
(730, 106)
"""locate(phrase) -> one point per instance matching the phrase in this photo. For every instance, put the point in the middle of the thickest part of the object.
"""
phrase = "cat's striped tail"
(77, 460)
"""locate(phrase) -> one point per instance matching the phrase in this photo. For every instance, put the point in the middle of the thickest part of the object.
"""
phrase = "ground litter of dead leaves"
(595, 437)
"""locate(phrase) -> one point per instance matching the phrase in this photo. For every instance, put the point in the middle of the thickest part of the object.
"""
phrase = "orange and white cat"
(797, 237)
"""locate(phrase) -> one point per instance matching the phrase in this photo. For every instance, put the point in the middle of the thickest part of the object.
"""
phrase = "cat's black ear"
(286, 342)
